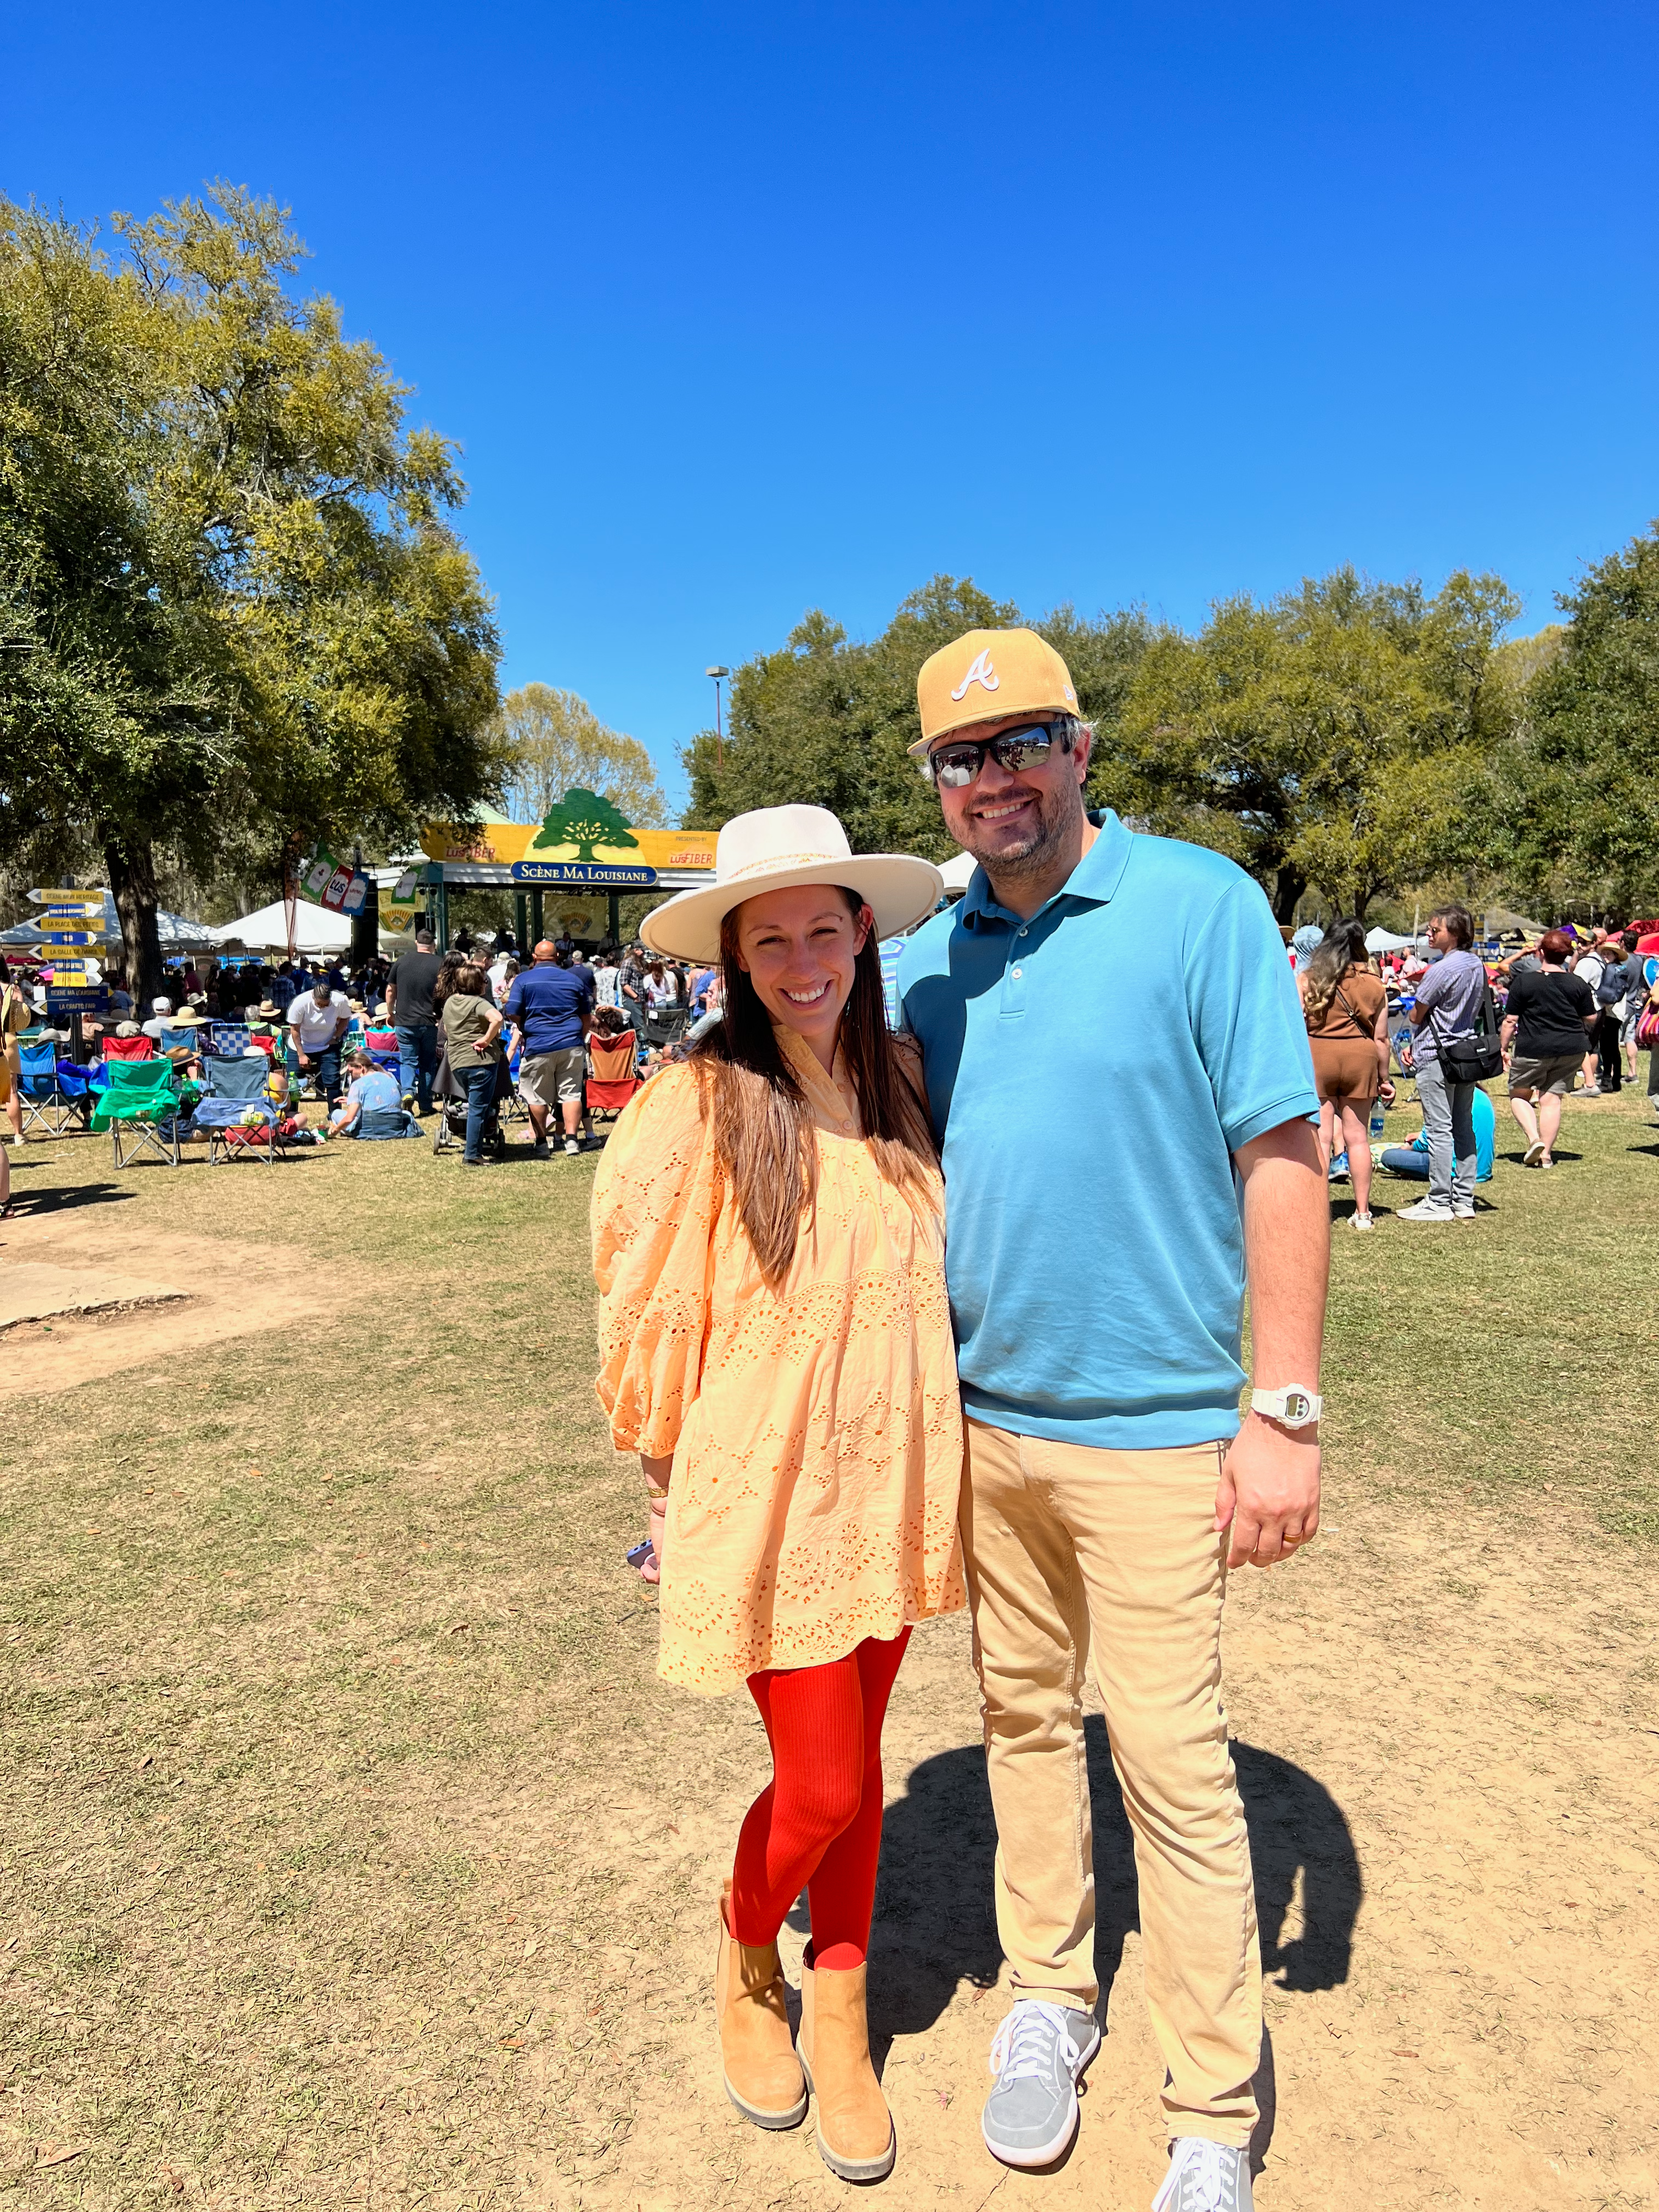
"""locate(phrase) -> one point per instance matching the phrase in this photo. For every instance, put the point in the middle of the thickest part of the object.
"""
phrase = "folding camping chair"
(234, 1095)
(46, 1103)
(613, 1072)
(229, 1040)
(666, 1025)
(138, 1047)
(142, 1098)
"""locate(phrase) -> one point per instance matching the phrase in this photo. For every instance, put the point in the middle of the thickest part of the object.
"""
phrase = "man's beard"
(1035, 855)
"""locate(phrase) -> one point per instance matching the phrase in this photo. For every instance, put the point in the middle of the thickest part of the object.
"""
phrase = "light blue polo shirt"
(1091, 1072)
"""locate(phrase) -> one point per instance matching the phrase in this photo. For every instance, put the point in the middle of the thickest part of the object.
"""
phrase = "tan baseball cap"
(986, 674)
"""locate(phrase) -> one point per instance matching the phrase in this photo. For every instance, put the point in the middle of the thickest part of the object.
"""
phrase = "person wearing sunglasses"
(1120, 1078)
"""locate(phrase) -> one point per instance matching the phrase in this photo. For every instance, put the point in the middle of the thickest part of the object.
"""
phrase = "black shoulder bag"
(1477, 1057)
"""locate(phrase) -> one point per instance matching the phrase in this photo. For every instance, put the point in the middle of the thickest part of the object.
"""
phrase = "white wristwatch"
(1292, 1407)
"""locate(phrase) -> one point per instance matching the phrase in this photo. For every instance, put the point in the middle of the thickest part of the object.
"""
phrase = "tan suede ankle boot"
(762, 2075)
(855, 2127)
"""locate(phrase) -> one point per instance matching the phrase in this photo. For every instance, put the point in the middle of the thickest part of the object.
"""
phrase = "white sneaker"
(1425, 1209)
(1361, 1221)
(1535, 1154)
(1462, 1213)
(1205, 2176)
(572, 1146)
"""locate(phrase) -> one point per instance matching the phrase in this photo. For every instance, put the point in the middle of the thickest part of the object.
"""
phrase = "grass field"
(350, 1854)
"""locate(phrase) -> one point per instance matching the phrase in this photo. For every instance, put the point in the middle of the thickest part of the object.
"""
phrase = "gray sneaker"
(1040, 2051)
(1205, 2176)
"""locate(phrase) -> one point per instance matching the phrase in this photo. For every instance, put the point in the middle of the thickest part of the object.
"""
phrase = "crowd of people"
(1563, 1016)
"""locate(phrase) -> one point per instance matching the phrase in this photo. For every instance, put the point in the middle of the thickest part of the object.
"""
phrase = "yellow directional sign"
(67, 903)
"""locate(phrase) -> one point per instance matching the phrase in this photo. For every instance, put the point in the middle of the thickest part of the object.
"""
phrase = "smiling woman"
(776, 1346)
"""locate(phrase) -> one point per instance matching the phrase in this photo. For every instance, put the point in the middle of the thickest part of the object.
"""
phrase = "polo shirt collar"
(1092, 882)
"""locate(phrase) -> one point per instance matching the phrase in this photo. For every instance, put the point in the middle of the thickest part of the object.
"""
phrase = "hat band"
(783, 860)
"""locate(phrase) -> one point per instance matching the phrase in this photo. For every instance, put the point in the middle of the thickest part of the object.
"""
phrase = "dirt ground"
(1448, 1749)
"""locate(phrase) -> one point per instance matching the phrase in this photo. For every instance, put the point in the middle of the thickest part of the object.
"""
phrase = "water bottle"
(1376, 1117)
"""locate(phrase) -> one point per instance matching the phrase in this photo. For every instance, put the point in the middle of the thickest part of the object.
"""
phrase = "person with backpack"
(1450, 1000)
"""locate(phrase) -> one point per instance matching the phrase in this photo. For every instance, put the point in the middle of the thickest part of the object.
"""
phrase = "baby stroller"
(451, 1102)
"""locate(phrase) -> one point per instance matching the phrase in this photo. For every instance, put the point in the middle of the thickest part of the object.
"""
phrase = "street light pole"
(719, 742)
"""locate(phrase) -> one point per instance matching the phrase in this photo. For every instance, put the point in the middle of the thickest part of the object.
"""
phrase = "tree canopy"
(1335, 737)
(235, 613)
(553, 742)
(1576, 805)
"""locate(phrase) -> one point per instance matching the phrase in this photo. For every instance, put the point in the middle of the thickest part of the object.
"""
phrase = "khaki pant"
(1078, 1557)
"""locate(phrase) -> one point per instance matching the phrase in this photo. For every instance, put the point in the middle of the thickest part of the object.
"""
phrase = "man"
(160, 1011)
(552, 1007)
(316, 1021)
(1636, 998)
(282, 987)
(409, 1010)
(1111, 1035)
(632, 1000)
(373, 1091)
(1592, 965)
(495, 974)
(1448, 1002)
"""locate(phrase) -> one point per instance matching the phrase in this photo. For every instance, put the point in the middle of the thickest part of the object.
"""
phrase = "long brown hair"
(1341, 949)
(763, 1134)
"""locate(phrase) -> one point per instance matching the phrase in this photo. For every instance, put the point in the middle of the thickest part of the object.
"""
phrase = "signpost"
(90, 903)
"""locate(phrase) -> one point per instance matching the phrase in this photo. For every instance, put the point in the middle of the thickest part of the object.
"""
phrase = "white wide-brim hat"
(774, 847)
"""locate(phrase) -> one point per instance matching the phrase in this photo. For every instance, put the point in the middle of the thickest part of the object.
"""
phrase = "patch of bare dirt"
(1448, 1747)
(68, 1316)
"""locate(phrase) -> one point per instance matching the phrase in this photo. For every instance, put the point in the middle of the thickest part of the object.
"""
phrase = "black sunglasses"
(955, 767)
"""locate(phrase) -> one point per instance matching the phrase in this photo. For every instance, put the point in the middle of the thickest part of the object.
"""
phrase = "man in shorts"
(1119, 1074)
(552, 1008)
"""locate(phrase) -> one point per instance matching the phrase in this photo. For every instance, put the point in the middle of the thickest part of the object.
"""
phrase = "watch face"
(1298, 1404)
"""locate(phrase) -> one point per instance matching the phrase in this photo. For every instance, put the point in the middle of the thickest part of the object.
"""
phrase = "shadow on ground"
(935, 1925)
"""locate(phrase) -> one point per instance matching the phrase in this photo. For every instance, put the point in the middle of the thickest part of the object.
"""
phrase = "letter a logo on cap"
(981, 672)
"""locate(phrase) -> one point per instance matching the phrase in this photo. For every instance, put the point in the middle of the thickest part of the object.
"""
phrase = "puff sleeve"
(652, 1222)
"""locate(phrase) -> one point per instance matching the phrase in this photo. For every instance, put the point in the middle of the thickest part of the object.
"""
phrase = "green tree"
(1336, 738)
(258, 626)
(1576, 799)
(553, 742)
(826, 721)
(585, 819)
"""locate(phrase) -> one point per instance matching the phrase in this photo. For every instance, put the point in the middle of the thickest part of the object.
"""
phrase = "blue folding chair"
(234, 1096)
(229, 1040)
(46, 1103)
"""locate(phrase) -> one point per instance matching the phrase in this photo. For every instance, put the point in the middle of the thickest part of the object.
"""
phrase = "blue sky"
(740, 311)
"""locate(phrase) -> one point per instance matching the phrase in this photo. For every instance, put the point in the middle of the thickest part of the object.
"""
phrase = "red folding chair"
(613, 1073)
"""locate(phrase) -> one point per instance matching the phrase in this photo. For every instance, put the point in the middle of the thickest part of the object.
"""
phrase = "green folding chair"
(142, 1100)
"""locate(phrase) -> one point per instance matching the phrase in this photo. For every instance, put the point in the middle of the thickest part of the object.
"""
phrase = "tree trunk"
(132, 881)
(1288, 887)
(365, 925)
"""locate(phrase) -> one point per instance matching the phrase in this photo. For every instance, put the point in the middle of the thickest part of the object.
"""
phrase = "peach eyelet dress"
(817, 1431)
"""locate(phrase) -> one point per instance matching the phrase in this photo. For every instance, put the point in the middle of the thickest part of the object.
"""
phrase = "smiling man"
(1119, 1075)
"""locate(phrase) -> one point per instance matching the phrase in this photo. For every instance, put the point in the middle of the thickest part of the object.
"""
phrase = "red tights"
(817, 1822)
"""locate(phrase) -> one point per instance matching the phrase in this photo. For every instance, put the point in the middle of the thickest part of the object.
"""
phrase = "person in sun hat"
(1122, 1087)
(776, 1344)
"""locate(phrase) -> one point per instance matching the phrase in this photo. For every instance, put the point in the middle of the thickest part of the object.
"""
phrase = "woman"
(472, 1029)
(1346, 1011)
(776, 1346)
(1545, 1021)
(15, 1015)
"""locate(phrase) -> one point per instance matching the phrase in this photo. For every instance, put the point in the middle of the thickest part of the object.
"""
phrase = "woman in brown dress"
(1346, 1011)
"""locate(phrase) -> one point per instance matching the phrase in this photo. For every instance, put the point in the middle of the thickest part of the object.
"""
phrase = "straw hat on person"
(775, 847)
(184, 1017)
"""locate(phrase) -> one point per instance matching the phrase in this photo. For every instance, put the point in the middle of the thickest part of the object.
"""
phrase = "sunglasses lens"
(956, 767)
(1025, 748)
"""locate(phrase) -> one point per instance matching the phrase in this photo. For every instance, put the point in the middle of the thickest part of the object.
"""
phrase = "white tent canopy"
(316, 929)
(1384, 941)
(958, 871)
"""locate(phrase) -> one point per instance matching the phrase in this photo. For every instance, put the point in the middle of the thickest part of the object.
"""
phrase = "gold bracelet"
(657, 1496)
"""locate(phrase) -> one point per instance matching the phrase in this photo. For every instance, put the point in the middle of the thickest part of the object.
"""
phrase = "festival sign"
(335, 884)
(87, 903)
(52, 937)
(617, 843)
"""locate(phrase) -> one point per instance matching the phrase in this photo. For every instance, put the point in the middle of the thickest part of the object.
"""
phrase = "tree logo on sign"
(585, 819)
